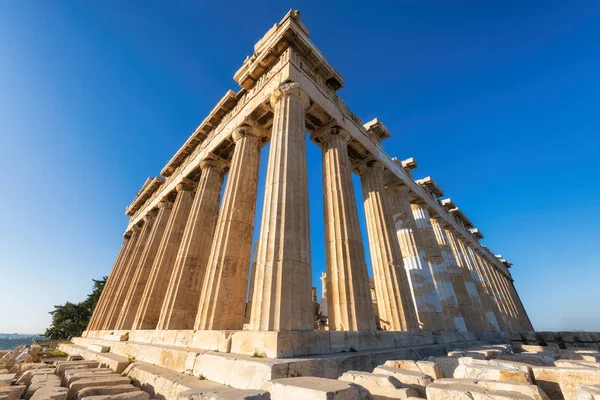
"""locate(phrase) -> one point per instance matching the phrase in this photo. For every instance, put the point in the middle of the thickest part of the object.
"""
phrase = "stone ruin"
(178, 319)
(511, 371)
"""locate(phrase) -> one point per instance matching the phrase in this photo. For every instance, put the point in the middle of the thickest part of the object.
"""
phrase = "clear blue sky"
(498, 101)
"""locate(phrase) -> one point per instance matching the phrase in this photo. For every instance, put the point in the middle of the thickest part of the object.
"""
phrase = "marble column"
(473, 290)
(472, 319)
(129, 271)
(490, 285)
(105, 297)
(223, 297)
(528, 326)
(151, 302)
(394, 299)
(493, 316)
(282, 289)
(140, 278)
(414, 257)
(180, 307)
(443, 285)
(506, 298)
(349, 304)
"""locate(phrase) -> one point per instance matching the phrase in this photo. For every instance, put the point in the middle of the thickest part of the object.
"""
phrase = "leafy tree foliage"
(71, 319)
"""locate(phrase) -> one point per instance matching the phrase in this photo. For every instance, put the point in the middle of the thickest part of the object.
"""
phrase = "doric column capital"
(164, 203)
(398, 187)
(127, 234)
(245, 130)
(289, 89)
(213, 161)
(329, 132)
(149, 215)
(376, 165)
(185, 184)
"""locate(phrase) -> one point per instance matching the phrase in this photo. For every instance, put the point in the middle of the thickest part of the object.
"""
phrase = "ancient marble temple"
(187, 256)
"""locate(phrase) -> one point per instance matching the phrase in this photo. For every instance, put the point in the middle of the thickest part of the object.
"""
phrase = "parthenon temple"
(188, 265)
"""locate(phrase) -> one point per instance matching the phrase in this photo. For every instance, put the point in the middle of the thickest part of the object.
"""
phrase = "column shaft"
(140, 278)
(128, 273)
(223, 297)
(490, 286)
(282, 290)
(394, 299)
(349, 304)
(153, 297)
(443, 285)
(414, 257)
(527, 322)
(489, 307)
(473, 290)
(471, 317)
(180, 307)
(104, 299)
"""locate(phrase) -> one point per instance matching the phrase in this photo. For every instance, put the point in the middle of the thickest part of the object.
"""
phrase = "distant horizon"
(498, 104)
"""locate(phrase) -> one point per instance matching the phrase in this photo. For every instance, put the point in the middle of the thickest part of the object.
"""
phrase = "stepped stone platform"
(215, 358)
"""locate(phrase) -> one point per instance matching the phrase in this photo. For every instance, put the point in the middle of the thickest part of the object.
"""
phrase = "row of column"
(186, 264)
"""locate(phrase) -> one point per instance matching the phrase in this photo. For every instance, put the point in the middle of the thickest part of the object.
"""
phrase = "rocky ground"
(529, 369)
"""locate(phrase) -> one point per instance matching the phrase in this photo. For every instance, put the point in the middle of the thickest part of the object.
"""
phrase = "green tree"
(71, 319)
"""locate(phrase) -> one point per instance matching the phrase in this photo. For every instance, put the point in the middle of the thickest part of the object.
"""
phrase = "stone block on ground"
(566, 337)
(576, 364)
(457, 390)
(491, 372)
(510, 365)
(99, 348)
(561, 383)
(14, 392)
(62, 366)
(224, 394)
(412, 379)
(106, 390)
(27, 376)
(74, 357)
(40, 381)
(429, 368)
(139, 395)
(531, 359)
(50, 393)
(6, 379)
(108, 380)
(446, 364)
(75, 375)
(588, 392)
(29, 366)
(381, 387)
(309, 388)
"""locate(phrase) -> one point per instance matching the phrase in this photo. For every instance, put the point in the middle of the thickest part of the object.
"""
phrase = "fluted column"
(105, 297)
(282, 289)
(502, 289)
(414, 257)
(349, 304)
(140, 278)
(394, 299)
(129, 271)
(528, 326)
(439, 270)
(180, 307)
(474, 291)
(150, 306)
(497, 300)
(491, 310)
(471, 316)
(223, 297)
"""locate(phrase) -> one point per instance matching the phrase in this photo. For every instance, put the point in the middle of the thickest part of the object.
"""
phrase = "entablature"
(149, 187)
